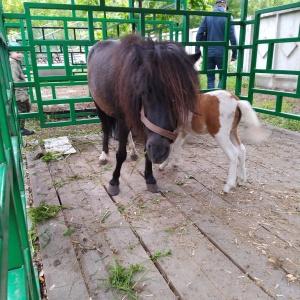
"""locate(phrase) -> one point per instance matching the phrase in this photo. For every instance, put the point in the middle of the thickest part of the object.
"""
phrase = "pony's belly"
(105, 106)
(203, 130)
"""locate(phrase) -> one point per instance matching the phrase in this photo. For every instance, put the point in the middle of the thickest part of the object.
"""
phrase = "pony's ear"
(139, 51)
(194, 57)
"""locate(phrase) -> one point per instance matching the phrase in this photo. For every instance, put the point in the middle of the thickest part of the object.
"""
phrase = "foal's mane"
(161, 67)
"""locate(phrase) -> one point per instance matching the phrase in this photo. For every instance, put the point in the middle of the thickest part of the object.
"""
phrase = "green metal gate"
(17, 274)
(93, 23)
(269, 67)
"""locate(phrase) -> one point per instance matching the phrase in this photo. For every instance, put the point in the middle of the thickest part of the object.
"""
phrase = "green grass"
(285, 123)
(53, 132)
(121, 278)
(43, 212)
(51, 155)
(289, 105)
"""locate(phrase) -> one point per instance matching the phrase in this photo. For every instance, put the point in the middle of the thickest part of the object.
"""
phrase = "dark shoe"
(27, 132)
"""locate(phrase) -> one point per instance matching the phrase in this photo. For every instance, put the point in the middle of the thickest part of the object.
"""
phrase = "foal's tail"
(254, 130)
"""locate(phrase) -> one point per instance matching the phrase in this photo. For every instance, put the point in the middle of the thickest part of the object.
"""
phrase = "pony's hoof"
(134, 156)
(102, 162)
(153, 188)
(161, 167)
(113, 190)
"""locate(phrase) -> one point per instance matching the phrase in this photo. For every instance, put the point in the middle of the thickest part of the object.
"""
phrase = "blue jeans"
(211, 65)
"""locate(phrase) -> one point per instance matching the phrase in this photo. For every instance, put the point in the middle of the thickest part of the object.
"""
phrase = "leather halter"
(167, 134)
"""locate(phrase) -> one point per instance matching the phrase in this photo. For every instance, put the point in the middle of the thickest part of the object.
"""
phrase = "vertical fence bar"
(240, 58)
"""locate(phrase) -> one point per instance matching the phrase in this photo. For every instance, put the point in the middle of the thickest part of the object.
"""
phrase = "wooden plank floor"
(244, 245)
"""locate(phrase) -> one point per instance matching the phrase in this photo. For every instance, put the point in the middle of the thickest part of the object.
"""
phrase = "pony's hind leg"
(131, 146)
(232, 154)
(113, 188)
(241, 171)
(105, 122)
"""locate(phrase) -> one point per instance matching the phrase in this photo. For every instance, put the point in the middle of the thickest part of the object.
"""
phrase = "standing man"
(21, 93)
(215, 31)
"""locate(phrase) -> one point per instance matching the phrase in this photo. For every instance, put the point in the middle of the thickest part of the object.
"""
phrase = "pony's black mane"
(161, 68)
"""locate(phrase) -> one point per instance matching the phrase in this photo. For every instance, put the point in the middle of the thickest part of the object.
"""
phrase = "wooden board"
(244, 245)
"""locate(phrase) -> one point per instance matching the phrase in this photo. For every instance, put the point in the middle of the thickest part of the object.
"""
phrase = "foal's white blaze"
(220, 118)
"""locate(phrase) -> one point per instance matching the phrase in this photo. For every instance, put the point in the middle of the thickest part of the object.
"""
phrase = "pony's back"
(124, 74)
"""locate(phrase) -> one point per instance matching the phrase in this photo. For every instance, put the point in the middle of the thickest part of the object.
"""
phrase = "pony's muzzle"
(158, 149)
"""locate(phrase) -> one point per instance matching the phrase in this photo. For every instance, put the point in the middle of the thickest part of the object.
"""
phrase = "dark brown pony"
(132, 74)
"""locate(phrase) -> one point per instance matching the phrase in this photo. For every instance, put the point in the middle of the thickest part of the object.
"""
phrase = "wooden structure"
(243, 245)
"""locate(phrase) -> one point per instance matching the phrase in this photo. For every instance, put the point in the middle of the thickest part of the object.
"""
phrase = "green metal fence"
(93, 23)
(269, 68)
(75, 28)
(55, 60)
(18, 279)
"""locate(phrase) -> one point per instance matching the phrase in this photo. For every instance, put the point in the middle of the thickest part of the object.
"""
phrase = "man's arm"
(200, 31)
(233, 41)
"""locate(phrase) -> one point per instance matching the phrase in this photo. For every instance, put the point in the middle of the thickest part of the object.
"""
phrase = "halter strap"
(168, 134)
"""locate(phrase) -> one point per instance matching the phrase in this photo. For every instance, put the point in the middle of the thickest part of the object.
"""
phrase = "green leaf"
(69, 232)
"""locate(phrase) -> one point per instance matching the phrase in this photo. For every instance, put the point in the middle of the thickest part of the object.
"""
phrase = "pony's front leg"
(113, 188)
(150, 180)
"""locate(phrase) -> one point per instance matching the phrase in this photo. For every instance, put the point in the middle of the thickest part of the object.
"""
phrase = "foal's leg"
(131, 146)
(175, 150)
(241, 171)
(232, 154)
(166, 162)
(113, 188)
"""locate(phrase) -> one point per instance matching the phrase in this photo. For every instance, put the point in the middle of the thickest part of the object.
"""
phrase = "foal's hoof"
(240, 182)
(134, 156)
(153, 188)
(113, 190)
(226, 189)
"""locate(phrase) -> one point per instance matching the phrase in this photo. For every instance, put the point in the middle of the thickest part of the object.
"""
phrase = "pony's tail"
(113, 127)
(254, 130)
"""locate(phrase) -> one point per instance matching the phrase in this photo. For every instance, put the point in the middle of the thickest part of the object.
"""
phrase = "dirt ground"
(241, 245)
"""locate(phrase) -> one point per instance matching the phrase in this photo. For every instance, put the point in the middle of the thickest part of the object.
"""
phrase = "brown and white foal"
(220, 114)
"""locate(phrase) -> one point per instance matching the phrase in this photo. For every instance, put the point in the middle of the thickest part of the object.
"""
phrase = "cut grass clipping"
(44, 212)
(121, 277)
(51, 155)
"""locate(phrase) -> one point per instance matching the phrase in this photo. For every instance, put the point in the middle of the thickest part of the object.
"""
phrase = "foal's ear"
(194, 57)
(139, 51)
